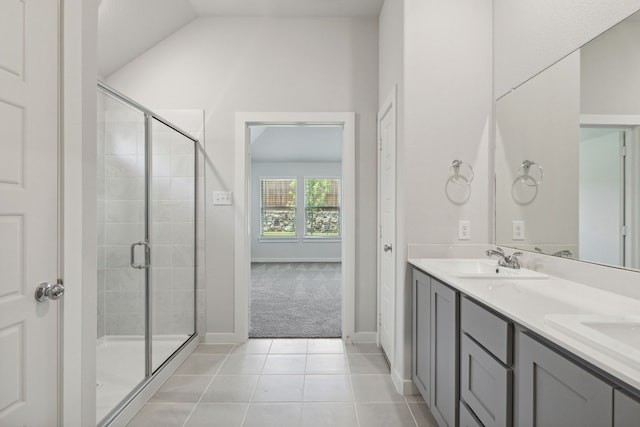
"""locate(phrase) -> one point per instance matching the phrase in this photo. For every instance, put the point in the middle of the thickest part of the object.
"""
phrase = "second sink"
(487, 269)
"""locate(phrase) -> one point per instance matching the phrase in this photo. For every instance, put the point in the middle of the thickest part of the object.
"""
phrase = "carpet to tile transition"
(296, 300)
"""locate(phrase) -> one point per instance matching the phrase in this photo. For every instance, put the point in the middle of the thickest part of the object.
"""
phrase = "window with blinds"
(278, 206)
(322, 207)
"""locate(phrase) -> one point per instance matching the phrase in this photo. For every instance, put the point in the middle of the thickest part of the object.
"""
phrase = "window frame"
(282, 238)
(311, 237)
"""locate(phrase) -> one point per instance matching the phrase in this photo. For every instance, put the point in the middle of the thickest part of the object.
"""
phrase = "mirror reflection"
(568, 155)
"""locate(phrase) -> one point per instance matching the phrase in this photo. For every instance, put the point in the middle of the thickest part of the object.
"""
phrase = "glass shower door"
(172, 239)
(146, 224)
(120, 361)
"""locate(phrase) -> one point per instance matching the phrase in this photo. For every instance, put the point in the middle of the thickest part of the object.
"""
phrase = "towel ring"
(524, 173)
(454, 173)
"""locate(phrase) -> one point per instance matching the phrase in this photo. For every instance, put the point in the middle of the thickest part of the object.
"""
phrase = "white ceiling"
(296, 143)
(128, 28)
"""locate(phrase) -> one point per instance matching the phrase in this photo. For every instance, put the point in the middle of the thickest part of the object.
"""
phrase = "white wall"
(447, 107)
(531, 35)
(229, 65)
(301, 249)
(442, 65)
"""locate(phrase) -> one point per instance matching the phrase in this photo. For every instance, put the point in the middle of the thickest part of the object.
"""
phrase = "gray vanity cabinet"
(467, 418)
(554, 391)
(486, 378)
(435, 346)
(626, 410)
(421, 366)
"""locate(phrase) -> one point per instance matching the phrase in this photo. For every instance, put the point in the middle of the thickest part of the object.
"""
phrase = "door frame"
(242, 202)
(77, 211)
(388, 107)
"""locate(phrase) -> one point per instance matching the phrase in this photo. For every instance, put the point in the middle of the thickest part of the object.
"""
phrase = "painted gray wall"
(229, 65)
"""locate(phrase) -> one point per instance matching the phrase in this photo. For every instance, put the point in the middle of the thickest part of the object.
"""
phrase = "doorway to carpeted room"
(296, 299)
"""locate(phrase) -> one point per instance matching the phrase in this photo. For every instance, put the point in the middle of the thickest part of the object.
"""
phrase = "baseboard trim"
(364, 337)
(222, 338)
(296, 260)
(130, 411)
(403, 386)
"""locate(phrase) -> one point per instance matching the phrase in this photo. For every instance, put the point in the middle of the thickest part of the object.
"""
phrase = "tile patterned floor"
(282, 383)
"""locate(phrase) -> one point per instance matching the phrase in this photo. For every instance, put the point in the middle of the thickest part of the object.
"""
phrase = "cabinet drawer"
(467, 419)
(485, 385)
(492, 332)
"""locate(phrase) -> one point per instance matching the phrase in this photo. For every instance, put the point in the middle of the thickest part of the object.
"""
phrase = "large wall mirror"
(568, 155)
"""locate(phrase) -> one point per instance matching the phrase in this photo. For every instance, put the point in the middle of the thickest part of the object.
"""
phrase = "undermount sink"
(617, 336)
(487, 269)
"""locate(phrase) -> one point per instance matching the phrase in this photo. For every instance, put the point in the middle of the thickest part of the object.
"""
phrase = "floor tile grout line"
(226, 356)
(411, 412)
(353, 392)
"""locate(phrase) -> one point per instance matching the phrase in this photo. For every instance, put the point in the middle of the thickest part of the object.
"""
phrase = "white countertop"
(529, 302)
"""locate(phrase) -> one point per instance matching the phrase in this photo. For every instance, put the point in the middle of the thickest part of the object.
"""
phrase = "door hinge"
(623, 151)
(623, 230)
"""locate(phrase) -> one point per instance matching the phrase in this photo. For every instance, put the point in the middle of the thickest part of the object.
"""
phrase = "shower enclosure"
(146, 216)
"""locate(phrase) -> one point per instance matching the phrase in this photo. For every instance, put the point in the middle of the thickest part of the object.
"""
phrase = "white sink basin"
(617, 336)
(486, 269)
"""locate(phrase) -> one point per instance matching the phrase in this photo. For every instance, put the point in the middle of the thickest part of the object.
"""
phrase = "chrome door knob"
(387, 247)
(46, 290)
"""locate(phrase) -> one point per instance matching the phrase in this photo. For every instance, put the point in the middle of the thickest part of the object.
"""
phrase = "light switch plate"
(464, 230)
(222, 198)
(518, 230)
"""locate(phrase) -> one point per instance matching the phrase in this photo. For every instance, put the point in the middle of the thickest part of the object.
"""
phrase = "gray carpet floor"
(296, 300)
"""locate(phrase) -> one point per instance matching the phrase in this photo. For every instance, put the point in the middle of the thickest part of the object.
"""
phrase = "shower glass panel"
(172, 234)
(146, 185)
(121, 162)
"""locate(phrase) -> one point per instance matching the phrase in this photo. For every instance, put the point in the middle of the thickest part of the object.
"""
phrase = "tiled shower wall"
(172, 232)
(122, 215)
(174, 199)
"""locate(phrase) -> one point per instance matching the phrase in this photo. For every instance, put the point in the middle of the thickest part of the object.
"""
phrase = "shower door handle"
(147, 255)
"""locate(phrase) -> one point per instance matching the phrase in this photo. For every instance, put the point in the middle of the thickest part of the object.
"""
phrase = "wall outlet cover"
(517, 230)
(464, 230)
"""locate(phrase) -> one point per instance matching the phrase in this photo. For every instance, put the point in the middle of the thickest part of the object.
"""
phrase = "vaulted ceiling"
(128, 28)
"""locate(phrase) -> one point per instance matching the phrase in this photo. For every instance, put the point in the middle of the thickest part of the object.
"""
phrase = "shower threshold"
(121, 366)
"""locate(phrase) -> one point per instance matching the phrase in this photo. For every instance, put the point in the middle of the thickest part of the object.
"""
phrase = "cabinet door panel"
(626, 410)
(467, 419)
(444, 354)
(554, 391)
(422, 333)
(485, 384)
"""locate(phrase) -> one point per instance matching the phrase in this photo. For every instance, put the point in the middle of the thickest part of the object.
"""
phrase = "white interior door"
(387, 226)
(28, 211)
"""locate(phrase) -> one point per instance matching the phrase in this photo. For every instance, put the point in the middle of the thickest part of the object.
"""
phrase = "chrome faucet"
(510, 261)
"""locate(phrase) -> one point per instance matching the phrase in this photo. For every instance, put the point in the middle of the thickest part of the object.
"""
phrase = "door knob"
(46, 290)
(387, 247)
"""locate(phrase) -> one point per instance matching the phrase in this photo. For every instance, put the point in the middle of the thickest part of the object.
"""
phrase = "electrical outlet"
(222, 198)
(517, 230)
(464, 230)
